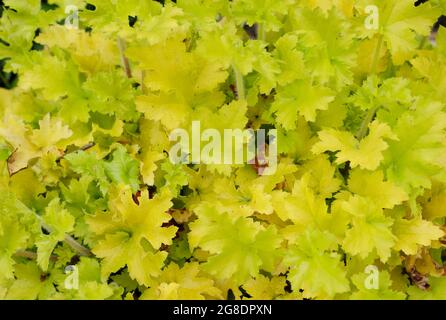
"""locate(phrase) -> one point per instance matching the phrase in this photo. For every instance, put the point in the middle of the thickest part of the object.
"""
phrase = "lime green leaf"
(239, 248)
(372, 185)
(123, 169)
(371, 230)
(367, 153)
(300, 97)
(315, 267)
(383, 292)
(414, 233)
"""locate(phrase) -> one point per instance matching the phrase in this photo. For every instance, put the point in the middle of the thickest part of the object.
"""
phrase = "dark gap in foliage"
(37, 46)
(328, 202)
(231, 295)
(345, 170)
(441, 22)
(90, 7)
(163, 2)
(185, 191)
(132, 20)
(245, 294)
(8, 80)
(252, 31)
(74, 260)
(267, 127)
(288, 287)
(418, 2)
(44, 276)
(136, 294)
(152, 191)
(47, 6)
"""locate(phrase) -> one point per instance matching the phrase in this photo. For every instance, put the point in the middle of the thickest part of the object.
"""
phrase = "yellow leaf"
(366, 153)
(414, 233)
(184, 283)
(148, 165)
(372, 185)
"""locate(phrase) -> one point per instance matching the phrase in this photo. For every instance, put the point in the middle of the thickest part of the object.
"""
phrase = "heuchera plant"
(92, 208)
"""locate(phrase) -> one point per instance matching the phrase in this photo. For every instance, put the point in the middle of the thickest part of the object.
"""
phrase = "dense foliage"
(86, 180)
